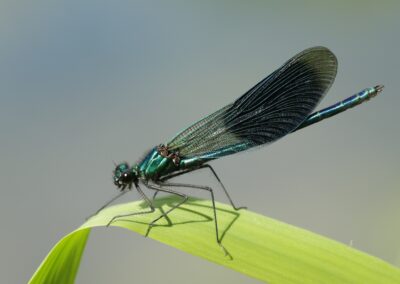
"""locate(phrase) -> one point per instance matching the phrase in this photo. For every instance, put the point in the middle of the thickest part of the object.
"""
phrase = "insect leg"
(223, 187)
(108, 203)
(145, 198)
(167, 177)
(159, 187)
(155, 195)
(209, 189)
(215, 175)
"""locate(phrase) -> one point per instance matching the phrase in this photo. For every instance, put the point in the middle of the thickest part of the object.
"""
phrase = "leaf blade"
(262, 248)
(62, 263)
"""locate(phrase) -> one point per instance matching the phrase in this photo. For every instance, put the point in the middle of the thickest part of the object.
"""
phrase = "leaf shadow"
(172, 200)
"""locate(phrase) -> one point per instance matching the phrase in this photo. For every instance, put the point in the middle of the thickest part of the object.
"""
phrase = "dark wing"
(271, 109)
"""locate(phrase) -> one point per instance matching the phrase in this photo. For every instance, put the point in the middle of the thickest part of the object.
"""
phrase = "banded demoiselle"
(280, 104)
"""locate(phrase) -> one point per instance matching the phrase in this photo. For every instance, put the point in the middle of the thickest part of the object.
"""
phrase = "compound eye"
(126, 177)
(121, 167)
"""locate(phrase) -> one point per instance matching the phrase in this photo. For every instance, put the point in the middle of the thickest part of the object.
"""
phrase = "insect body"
(280, 104)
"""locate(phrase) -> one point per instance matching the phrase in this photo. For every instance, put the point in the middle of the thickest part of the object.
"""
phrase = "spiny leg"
(107, 203)
(215, 175)
(158, 187)
(155, 195)
(223, 187)
(209, 189)
(145, 198)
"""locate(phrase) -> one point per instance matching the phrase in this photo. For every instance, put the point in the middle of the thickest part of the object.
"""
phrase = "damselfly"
(280, 104)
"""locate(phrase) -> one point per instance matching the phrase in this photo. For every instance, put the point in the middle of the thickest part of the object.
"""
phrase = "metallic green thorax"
(154, 165)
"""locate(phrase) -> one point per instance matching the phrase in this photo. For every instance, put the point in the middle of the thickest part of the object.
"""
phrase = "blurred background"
(83, 83)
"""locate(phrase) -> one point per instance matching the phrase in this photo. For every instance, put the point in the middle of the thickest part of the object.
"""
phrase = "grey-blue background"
(83, 83)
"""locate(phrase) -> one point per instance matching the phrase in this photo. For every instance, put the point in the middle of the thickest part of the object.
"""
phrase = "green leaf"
(62, 263)
(260, 247)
